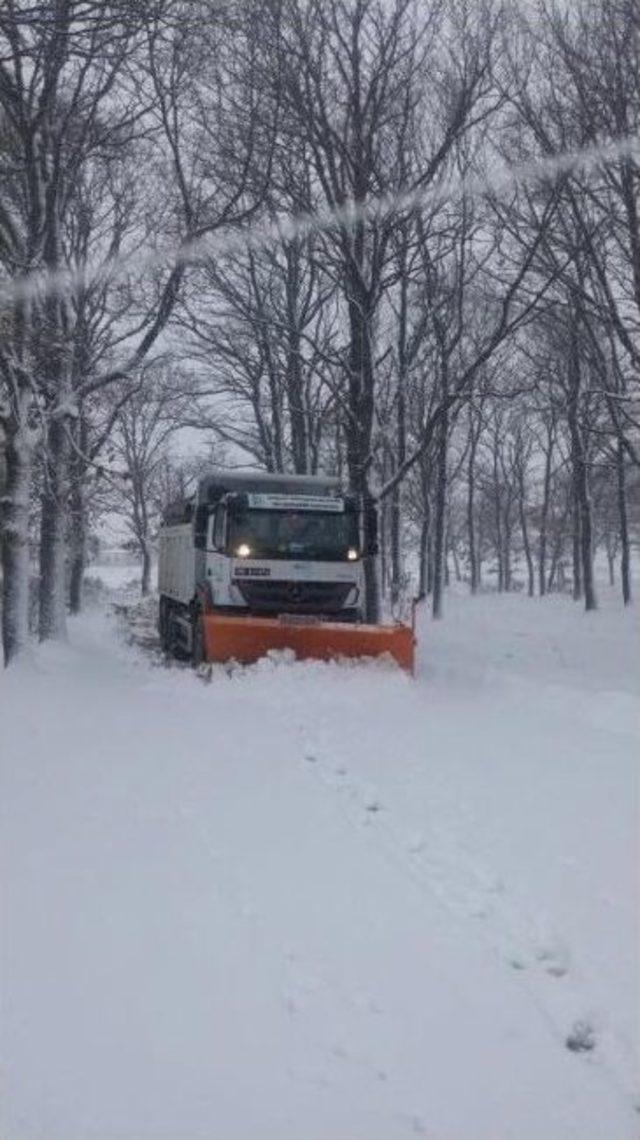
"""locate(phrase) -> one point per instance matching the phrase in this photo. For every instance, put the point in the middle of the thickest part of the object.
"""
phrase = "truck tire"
(163, 625)
(197, 641)
(169, 637)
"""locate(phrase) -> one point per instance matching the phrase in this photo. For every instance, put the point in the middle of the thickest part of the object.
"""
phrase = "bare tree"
(58, 82)
(262, 327)
(144, 427)
(350, 76)
(58, 69)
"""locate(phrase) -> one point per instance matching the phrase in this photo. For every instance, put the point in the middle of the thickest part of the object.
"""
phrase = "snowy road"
(319, 901)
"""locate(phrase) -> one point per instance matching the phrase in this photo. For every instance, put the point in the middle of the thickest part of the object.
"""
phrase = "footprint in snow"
(517, 963)
(582, 1038)
(554, 959)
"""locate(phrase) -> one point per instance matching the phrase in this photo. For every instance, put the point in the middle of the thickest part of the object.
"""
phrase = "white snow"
(117, 575)
(326, 902)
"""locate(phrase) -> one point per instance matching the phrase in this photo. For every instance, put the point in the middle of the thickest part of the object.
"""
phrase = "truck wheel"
(170, 636)
(163, 625)
(197, 641)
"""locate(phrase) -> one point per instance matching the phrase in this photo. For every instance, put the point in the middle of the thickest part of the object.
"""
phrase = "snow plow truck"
(253, 562)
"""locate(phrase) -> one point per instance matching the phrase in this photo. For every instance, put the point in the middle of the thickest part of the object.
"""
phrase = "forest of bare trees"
(461, 346)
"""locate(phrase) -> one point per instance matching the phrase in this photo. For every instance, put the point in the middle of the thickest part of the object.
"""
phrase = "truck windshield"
(287, 534)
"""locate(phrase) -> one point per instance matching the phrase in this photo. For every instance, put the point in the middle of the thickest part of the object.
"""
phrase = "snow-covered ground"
(326, 902)
(116, 575)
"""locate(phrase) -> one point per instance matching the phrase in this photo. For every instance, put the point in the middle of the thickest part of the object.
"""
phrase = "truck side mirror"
(219, 528)
(237, 505)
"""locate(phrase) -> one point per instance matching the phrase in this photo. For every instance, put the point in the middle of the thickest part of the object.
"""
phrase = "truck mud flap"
(247, 639)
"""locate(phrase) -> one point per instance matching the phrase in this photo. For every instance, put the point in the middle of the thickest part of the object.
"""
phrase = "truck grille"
(294, 597)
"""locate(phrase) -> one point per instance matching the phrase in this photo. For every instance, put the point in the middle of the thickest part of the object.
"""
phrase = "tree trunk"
(15, 546)
(500, 556)
(507, 532)
(294, 374)
(76, 579)
(394, 545)
(145, 582)
(401, 436)
(586, 543)
(423, 577)
(575, 546)
(78, 523)
(383, 523)
(370, 563)
(625, 556)
(525, 534)
(430, 561)
(456, 562)
(52, 590)
(474, 570)
(583, 527)
(77, 547)
(359, 422)
(440, 521)
(497, 516)
(544, 515)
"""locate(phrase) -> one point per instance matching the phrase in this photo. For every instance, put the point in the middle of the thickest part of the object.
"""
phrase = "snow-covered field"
(326, 902)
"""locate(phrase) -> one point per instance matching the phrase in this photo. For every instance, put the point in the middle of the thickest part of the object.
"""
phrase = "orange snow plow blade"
(247, 639)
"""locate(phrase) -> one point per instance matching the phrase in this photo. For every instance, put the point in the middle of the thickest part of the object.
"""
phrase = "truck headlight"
(243, 551)
(352, 554)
